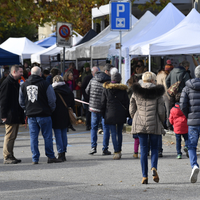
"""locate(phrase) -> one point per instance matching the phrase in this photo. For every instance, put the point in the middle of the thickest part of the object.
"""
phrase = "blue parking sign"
(120, 16)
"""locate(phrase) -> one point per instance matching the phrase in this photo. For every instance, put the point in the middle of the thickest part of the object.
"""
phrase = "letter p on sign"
(120, 10)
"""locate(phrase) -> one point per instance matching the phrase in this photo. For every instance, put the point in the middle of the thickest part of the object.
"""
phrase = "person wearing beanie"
(60, 116)
(86, 71)
(115, 103)
(148, 113)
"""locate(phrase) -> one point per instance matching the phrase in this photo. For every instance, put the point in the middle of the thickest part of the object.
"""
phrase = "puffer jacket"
(115, 103)
(190, 102)
(147, 109)
(177, 74)
(178, 120)
(95, 89)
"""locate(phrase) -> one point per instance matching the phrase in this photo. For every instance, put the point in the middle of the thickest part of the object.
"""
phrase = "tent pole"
(63, 68)
(76, 63)
(120, 52)
(149, 59)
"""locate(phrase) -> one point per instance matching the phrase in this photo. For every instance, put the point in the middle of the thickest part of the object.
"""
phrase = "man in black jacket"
(190, 105)
(38, 98)
(11, 112)
(94, 90)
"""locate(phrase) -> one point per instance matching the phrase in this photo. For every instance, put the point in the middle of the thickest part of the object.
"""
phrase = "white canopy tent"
(108, 48)
(83, 50)
(182, 39)
(167, 19)
(43, 57)
(21, 46)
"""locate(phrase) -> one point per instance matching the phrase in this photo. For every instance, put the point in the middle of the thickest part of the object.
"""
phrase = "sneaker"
(92, 151)
(10, 161)
(53, 160)
(186, 151)
(179, 156)
(106, 152)
(194, 174)
(100, 131)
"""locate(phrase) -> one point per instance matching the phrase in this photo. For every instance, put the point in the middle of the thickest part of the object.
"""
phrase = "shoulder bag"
(173, 89)
(72, 115)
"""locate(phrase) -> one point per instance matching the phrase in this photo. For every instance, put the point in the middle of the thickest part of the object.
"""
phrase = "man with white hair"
(190, 105)
(38, 99)
(84, 85)
(11, 113)
(94, 90)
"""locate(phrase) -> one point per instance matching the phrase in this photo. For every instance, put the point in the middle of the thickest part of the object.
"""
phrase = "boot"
(135, 155)
(145, 180)
(60, 156)
(117, 155)
(64, 157)
(155, 174)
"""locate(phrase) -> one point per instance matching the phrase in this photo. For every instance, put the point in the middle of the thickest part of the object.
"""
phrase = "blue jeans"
(193, 137)
(116, 132)
(45, 124)
(61, 139)
(144, 151)
(178, 142)
(95, 118)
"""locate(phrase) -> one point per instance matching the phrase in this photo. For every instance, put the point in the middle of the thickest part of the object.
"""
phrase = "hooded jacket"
(177, 74)
(37, 97)
(178, 120)
(60, 116)
(190, 102)
(95, 89)
(115, 103)
(9, 100)
(147, 109)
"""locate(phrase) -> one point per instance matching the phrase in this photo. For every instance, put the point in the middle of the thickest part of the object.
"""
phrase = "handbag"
(72, 115)
(173, 89)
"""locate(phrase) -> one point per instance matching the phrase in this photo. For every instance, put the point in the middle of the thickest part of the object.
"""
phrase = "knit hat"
(115, 75)
(168, 67)
(169, 62)
(58, 78)
(86, 65)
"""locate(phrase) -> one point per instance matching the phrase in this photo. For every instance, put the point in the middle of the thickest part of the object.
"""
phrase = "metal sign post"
(120, 20)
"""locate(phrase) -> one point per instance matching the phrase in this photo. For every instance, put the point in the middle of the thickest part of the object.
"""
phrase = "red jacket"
(178, 120)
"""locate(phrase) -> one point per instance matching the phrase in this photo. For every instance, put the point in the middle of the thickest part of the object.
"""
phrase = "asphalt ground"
(87, 177)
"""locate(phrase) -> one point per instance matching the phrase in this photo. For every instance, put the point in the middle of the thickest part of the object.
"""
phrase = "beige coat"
(147, 109)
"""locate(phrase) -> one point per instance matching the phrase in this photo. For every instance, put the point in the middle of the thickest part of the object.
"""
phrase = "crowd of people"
(42, 98)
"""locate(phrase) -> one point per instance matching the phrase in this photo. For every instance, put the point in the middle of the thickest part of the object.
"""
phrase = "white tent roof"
(21, 46)
(83, 50)
(42, 57)
(102, 50)
(167, 19)
(182, 39)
